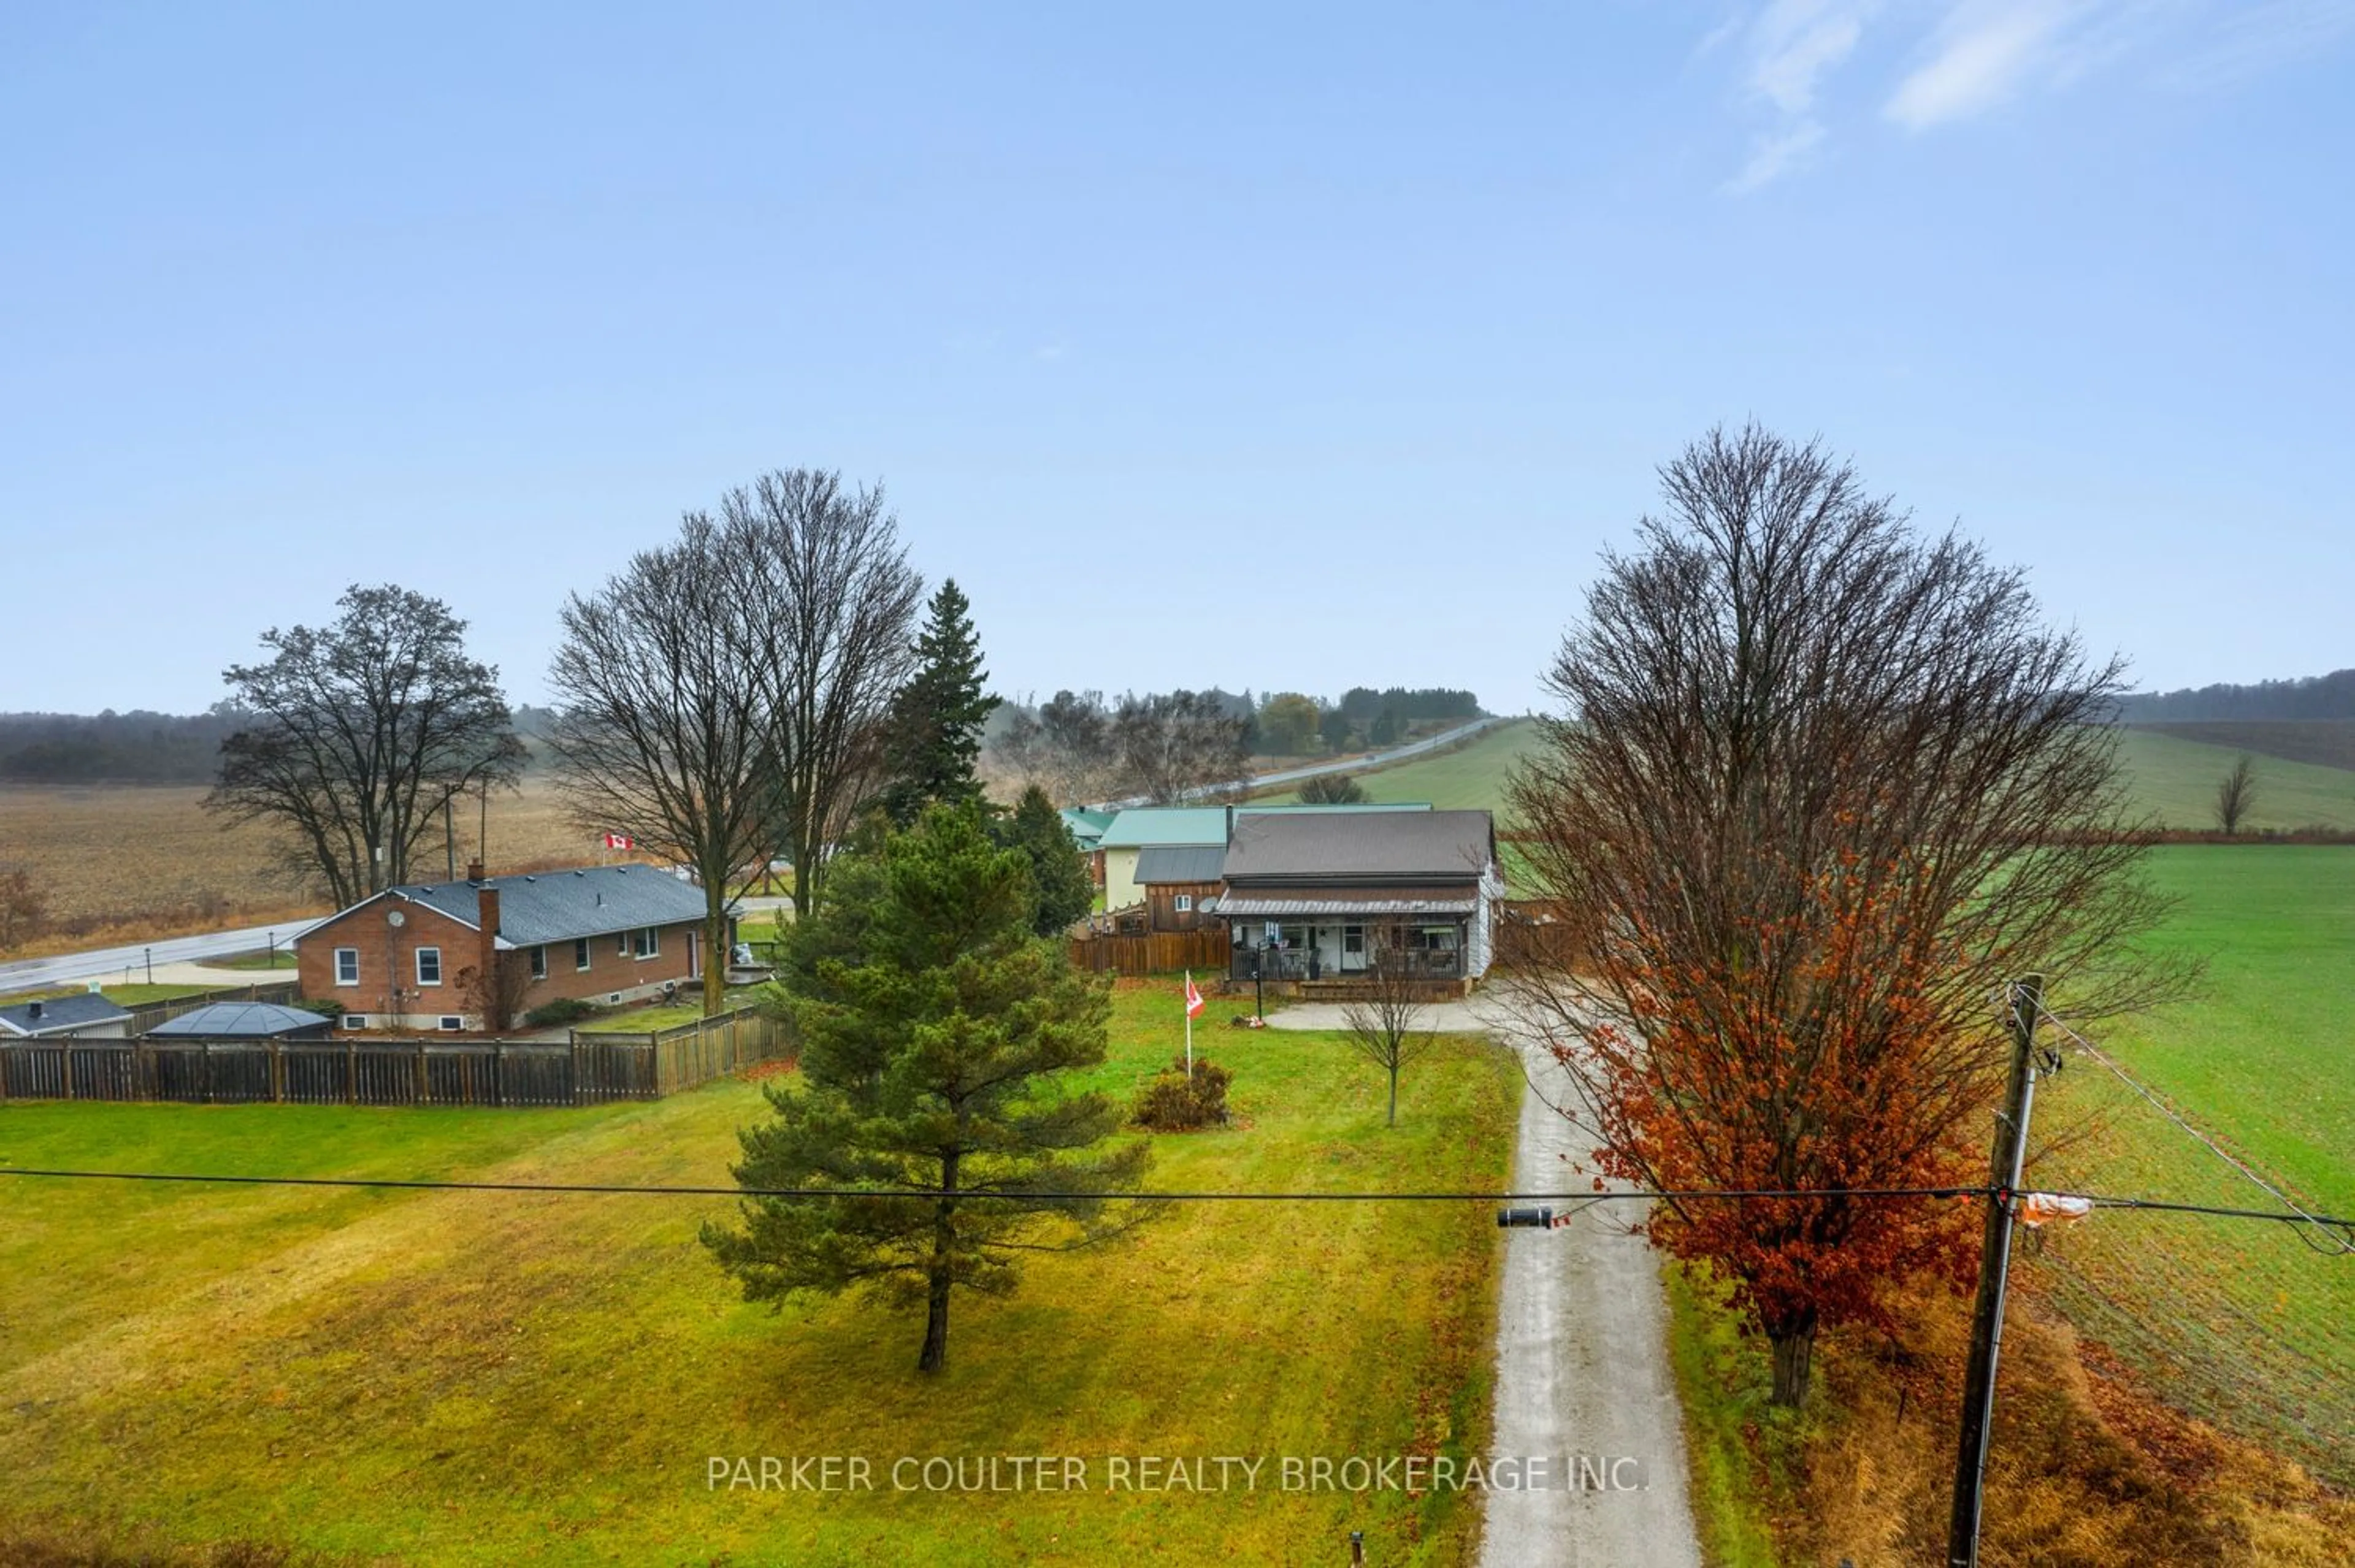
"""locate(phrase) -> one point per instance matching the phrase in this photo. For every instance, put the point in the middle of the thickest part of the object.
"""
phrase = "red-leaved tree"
(1822, 788)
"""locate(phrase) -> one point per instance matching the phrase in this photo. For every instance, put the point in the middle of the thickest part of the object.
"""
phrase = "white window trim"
(584, 957)
(419, 956)
(353, 977)
(652, 947)
(1183, 904)
(539, 962)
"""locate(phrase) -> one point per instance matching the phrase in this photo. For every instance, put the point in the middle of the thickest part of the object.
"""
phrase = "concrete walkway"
(1586, 1404)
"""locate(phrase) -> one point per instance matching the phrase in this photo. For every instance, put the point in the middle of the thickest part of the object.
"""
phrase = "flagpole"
(1189, 1026)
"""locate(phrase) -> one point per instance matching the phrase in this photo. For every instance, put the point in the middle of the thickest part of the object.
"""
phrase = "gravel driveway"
(1585, 1401)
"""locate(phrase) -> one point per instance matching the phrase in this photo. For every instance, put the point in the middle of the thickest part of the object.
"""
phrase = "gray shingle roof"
(58, 1014)
(242, 1021)
(560, 906)
(1271, 852)
(1181, 863)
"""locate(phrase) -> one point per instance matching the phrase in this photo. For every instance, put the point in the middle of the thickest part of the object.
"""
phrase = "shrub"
(1173, 1103)
(561, 1012)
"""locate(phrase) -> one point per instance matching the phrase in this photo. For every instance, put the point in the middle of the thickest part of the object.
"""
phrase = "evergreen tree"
(934, 1030)
(1058, 870)
(936, 721)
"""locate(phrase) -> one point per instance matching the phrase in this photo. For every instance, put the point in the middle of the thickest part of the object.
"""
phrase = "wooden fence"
(589, 1069)
(685, 1055)
(1153, 954)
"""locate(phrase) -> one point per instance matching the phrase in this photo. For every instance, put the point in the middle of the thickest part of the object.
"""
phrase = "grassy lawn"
(662, 1016)
(501, 1378)
(280, 958)
(2237, 1321)
(129, 995)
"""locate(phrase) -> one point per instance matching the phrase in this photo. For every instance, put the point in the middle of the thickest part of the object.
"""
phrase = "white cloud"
(1984, 51)
(1795, 43)
(1774, 155)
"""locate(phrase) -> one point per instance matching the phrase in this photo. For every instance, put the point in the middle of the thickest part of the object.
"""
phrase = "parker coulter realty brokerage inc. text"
(1413, 1473)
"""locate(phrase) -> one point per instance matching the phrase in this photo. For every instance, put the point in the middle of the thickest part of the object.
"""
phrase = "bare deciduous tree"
(1822, 785)
(24, 912)
(661, 730)
(1332, 789)
(1388, 1027)
(1177, 746)
(2236, 794)
(837, 611)
(498, 996)
(362, 733)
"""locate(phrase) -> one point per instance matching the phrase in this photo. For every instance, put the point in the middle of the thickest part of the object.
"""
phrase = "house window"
(348, 965)
(621, 943)
(645, 943)
(581, 953)
(1353, 939)
(451, 1024)
(1433, 938)
(539, 963)
(1184, 903)
(429, 966)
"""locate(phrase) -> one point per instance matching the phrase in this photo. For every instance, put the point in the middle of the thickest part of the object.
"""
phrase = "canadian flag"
(1193, 996)
(620, 841)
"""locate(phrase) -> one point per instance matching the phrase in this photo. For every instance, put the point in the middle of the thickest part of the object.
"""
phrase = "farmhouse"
(1318, 897)
(474, 953)
(1143, 827)
(83, 1015)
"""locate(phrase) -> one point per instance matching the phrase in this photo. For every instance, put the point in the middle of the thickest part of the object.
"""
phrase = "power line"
(2330, 1245)
(431, 1185)
(1700, 1194)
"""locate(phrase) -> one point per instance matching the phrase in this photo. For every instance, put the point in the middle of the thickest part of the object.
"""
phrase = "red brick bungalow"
(412, 957)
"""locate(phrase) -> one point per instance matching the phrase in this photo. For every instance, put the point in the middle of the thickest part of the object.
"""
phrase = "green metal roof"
(1087, 825)
(1142, 827)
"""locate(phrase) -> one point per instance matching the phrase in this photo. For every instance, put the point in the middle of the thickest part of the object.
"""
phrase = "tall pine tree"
(935, 1028)
(935, 726)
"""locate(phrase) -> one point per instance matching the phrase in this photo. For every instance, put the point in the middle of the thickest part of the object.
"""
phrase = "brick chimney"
(473, 871)
(486, 916)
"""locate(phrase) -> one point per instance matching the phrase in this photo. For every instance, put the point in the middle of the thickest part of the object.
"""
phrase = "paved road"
(1582, 1356)
(1346, 765)
(132, 963)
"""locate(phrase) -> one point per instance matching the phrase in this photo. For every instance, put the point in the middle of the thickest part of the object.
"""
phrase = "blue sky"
(1276, 346)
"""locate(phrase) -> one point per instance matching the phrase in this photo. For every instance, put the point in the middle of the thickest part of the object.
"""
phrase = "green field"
(1471, 778)
(2174, 781)
(495, 1378)
(2236, 1320)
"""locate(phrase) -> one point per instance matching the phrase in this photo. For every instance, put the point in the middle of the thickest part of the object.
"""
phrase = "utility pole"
(1994, 1268)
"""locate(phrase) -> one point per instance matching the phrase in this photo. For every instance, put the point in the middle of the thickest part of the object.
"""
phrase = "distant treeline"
(2329, 696)
(1362, 704)
(110, 747)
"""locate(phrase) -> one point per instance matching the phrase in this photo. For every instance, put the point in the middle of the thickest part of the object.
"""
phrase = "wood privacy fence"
(586, 1070)
(1153, 953)
(685, 1055)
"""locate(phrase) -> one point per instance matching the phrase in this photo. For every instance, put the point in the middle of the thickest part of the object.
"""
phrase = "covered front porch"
(1335, 949)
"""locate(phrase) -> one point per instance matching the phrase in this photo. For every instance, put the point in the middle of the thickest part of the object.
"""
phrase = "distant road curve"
(131, 962)
(1348, 764)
